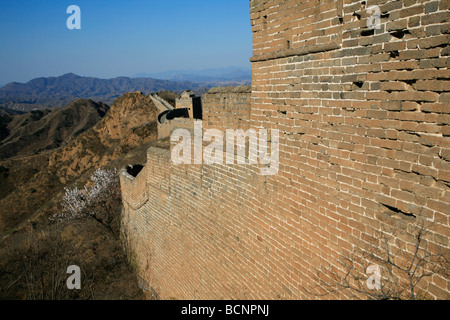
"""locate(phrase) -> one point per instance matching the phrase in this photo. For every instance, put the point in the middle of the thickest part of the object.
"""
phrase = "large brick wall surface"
(364, 144)
(227, 108)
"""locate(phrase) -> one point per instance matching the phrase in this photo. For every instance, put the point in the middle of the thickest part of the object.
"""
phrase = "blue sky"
(121, 38)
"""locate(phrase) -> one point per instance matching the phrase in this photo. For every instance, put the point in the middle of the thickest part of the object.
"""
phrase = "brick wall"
(227, 108)
(224, 108)
(364, 145)
(165, 129)
(198, 236)
(185, 101)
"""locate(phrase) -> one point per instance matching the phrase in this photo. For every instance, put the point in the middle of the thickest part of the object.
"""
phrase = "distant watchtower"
(189, 101)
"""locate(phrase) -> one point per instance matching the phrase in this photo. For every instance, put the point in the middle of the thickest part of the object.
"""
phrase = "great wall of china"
(363, 115)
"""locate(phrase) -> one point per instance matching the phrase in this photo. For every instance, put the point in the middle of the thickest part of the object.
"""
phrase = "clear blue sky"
(121, 37)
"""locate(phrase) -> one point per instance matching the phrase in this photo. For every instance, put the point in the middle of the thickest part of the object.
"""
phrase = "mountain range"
(231, 75)
(55, 92)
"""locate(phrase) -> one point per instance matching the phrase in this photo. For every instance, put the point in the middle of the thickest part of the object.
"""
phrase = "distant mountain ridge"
(55, 92)
(4, 110)
(237, 75)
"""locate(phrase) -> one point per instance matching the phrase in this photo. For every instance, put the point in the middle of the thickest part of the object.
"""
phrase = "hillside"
(128, 124)
(4, 110)
(32, 186)
(55, 92)
(39, 130)
(131, 122)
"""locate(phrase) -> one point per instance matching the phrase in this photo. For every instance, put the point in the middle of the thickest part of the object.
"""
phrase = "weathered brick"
(414, 96)
(432, 7)
(432, 85)
(434, 41)
(433, 18)
(394, 86)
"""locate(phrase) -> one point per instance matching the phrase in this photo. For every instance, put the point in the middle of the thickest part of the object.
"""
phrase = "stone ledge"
(296, 52)
(125, 174)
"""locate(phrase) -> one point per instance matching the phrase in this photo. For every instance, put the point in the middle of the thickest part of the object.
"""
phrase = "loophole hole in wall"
(394, 54)
(359, 84)
(357, 15)
(287, 45)
(369, 32)
(399, 34)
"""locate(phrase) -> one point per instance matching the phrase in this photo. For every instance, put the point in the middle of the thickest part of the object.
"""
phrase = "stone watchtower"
(189, 101)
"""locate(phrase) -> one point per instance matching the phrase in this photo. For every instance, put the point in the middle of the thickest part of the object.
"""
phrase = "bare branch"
(402, 270)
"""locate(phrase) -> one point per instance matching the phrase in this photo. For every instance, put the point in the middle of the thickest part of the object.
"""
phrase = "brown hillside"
(39, 130)
(31, 188)
(29, 182)
(130, 122)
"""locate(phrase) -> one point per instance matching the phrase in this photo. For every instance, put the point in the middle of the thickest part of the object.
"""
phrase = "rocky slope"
(40, 130)
(130, 122)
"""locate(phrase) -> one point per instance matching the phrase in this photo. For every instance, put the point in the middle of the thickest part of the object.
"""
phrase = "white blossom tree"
(99, 200)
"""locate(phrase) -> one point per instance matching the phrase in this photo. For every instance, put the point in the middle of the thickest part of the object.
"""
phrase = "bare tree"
(392, 266)
(43, 267)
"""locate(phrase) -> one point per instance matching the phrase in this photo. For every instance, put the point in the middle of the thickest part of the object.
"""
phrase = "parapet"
(227, 107)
